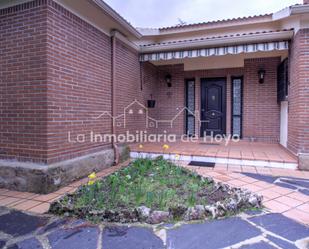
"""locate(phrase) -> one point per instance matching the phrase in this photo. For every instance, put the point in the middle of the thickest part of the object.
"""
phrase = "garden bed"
(154, 191)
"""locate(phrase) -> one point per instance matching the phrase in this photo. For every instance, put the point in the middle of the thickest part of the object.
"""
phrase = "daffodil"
(91, 182)
(166, 147)
(177, 157)
(92, 176)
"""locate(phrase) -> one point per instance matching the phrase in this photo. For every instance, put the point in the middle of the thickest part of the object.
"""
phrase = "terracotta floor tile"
(63, 190)
(263, 170)
(249, 179)
(289, 201)
(252, 187)
(15, 203)
(45, 198)
(3, 190)
(235, 175)
(237, 183)
(214, 174)
(8, 200)
(79, 183)
(281, 190)
(263, 185)
(53, 199)
(269, 193)
(25, 195)
(220, 166)
(298, 196)
(234, 168)
(11, 193)
(26, 205)
(3, 197)
(223, 178)
(276, 206)
(40, 209)
(298, 215)
(304, 207)
(248, 169)
(72, 190)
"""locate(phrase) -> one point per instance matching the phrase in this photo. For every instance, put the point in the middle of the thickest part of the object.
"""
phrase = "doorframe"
(224, 100)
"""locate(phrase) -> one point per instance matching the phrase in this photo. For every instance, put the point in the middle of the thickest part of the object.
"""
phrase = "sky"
(162, 13)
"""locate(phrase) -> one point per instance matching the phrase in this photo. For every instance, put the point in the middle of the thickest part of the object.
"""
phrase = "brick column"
(298, 121)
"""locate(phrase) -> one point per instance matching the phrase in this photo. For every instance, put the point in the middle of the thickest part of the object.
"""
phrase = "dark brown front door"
(213, 110)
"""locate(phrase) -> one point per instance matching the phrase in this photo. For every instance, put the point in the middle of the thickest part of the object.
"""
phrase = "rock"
(126, 216)
(195, 213)
(212, 209)
(221, 209)
(178, 211)
(255, 200)
(231, 204)
(157, 217)
(143, 213)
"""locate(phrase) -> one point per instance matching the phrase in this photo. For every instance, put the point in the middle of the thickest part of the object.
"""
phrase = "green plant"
(158, 184)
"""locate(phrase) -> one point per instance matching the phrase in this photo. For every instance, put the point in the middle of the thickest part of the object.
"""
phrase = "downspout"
(113, 97)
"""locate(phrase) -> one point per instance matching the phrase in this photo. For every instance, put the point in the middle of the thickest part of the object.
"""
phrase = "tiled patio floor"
(242, 150)
(278, 199)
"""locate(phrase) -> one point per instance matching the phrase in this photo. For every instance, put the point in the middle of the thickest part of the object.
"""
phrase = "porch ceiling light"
(168, 80)
(261, 74)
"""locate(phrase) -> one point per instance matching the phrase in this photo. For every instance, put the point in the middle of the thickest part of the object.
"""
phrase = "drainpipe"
(113, 96)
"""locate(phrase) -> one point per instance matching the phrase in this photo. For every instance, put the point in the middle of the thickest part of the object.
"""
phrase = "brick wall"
(261, 118)
(298, 117)
(55, 79)
(170, 100)
(79, 84)
(128, 89)
(23, 85)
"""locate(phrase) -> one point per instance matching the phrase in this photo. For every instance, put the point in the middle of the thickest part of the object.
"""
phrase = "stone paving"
(254, 229)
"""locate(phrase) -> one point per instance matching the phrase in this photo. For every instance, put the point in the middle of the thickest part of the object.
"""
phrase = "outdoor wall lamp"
(261, 76)
(168, 80)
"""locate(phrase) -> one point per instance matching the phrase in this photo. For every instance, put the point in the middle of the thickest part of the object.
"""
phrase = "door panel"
(213, 110)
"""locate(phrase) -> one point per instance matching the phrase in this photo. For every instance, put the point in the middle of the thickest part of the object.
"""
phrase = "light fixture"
(261, 76)
(168, 80)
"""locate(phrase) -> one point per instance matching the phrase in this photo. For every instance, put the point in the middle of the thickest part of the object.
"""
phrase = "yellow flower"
(166, 147)
(141, 146)
(177, 156)
(92, 176)
(90, 182)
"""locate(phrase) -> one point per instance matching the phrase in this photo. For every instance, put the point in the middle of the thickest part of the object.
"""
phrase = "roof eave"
(300, 9)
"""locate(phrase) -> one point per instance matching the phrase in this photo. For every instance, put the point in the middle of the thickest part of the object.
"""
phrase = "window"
(283, 79)
(237, 85)
(190, 104)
